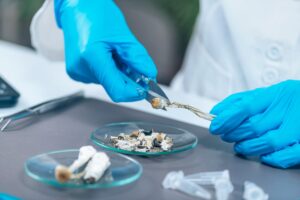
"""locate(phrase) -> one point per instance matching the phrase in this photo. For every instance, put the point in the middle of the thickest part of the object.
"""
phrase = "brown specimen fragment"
(135, 134)
(160, 137)
(62, 174)
(156, 103)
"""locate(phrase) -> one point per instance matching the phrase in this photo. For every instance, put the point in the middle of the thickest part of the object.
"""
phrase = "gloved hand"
(263, 122)
(99, 48)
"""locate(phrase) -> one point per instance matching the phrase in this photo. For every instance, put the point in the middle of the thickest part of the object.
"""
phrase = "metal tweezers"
(39, 109)
(156, 92)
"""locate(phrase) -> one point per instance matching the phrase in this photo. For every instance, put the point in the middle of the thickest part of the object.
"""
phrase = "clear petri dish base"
(183, 140)
(123, 170)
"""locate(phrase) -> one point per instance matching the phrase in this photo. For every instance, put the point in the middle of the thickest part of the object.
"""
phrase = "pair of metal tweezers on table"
(154, 92)
(12, 121)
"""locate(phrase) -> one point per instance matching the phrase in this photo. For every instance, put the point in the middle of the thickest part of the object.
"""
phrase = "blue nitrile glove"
(99, 47)
(263, 122)
(7, 197)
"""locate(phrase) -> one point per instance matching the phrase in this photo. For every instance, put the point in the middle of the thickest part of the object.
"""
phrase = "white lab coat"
(236, 46)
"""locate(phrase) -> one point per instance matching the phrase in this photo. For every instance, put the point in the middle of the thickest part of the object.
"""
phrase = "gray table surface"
(71, 128)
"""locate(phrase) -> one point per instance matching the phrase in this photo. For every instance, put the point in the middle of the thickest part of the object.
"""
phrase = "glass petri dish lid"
(123, 170)
(183, 140)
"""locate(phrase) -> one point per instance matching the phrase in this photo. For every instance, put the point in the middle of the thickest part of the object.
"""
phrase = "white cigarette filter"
(96, 167)
(85, 154)
(64, 174)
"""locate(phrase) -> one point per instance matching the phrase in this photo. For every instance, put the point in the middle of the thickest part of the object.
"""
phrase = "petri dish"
(183, 140)
(123, 170)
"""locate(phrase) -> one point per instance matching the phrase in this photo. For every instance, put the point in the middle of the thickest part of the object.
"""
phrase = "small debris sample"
(142, 141)
(159, 103)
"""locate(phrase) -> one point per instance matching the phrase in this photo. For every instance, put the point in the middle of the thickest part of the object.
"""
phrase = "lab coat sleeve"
(46, 37)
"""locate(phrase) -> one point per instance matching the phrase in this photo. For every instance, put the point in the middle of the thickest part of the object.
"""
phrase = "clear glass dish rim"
(86, 186)
(192, 146)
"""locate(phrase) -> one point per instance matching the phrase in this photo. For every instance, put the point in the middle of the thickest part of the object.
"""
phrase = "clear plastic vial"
(175, 180)
(253, 192)
(208, 178)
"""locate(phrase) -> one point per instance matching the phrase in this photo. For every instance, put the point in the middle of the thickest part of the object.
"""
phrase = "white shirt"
(241, 45)
(237, 45)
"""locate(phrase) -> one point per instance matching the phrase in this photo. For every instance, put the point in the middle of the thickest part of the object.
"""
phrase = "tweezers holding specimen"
(162, 103)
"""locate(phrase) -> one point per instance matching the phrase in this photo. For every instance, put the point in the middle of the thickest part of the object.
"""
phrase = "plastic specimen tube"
(176, 181)
(192, 189)
(223, 188)
(208, 178)
(254, 192)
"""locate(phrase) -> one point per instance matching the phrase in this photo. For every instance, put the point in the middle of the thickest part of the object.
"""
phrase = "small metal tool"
(38, 109)
(156, 92)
